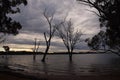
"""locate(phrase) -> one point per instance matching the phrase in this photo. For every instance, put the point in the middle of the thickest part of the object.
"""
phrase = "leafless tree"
(35, 49)
(48, 35)
(69, 36)
(36, 45)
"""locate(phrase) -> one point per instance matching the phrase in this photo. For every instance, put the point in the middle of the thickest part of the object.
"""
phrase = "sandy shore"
(17, 76)
(4, 76)
(13, 77)
(8, 74)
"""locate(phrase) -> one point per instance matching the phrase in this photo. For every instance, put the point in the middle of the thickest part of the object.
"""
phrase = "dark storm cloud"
(34, 24)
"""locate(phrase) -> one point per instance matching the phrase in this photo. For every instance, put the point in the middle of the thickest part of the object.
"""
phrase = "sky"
(34, 24)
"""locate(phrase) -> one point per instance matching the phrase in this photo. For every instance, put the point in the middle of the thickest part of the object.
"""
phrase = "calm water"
(83, 64)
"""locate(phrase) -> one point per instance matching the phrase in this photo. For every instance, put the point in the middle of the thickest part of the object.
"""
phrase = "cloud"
(34, 23)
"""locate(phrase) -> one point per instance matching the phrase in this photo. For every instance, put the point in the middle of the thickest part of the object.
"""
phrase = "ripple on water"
(87, 64)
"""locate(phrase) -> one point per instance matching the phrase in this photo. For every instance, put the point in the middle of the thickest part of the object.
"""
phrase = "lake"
(82, 64)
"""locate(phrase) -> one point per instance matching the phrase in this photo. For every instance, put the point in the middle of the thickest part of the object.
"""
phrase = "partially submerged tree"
(109, 16)
(69, 36)
(48, 35)
(36, 47)
(7, 25)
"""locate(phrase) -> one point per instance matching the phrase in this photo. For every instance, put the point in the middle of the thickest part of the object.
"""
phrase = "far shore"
(41, 53)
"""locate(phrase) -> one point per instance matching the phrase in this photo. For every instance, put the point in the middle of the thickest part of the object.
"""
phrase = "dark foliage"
(109, 16)
(7, 25)
(98, 41)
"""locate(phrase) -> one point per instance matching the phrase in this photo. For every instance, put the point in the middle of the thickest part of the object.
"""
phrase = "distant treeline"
(39, 53)
(19, 53)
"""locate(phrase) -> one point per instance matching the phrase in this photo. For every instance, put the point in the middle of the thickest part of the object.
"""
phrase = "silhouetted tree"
(36, 45)
(98, 41)
(35, 49)
(7, 25)
(109, 16)
(69, 36)
(6, 48)
(48, 35)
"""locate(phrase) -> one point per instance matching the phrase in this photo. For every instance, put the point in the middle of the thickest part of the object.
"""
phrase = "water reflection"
(45, 68)
(71, 68)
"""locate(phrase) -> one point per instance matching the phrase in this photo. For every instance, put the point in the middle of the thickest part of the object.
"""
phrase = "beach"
(4, 76)
(9, 74)
(17, 76)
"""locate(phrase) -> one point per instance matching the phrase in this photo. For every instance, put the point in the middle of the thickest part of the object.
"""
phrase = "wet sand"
(86, 78)
(4, 76)
(12, 77)
(7, 75)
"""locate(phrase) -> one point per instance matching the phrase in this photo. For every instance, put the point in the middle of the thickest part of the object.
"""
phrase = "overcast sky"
(34, 23)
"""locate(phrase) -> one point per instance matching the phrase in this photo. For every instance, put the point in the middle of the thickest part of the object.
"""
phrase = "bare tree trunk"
(71, 53)
(44, 56)
(47, 47)
(50, 34)
(70, 57)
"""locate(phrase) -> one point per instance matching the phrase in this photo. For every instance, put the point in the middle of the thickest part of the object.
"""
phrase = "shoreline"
(41, 53)
(10, 74)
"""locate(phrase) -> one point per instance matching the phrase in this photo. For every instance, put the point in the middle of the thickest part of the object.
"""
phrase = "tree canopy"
(109, 17)
(7, 25)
